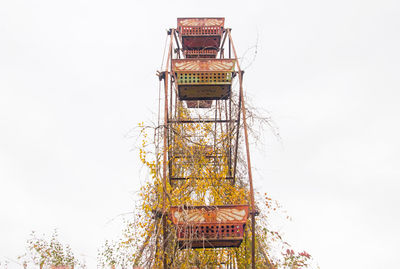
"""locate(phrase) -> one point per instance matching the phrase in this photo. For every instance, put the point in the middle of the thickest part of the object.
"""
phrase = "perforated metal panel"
(204, 78)
(210, 235)
(201, 30)
(207, 231)
(200, 53)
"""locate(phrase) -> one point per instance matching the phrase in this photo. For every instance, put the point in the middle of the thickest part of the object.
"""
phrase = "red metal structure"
(202, 83)
(200, 36)
(210, 226)
(203, 79)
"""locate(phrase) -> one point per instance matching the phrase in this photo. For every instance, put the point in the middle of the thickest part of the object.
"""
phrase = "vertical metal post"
(164, 168)
(243, 108)
(229, 140)
(237, 139)
(229, 45)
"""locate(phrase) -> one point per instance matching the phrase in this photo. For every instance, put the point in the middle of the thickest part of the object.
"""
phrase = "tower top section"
(200, 37)
(201, 22)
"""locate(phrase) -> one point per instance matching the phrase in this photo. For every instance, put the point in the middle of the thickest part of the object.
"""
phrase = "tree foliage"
(50, 253)
(205, 184)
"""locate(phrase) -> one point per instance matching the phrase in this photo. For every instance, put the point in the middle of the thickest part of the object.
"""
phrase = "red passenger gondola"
(209, 226)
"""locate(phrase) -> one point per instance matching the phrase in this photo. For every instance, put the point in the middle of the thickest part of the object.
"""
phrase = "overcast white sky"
(76, 76)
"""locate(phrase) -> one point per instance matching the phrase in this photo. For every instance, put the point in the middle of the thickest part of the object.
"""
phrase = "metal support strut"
(246, 139)
(164, 169)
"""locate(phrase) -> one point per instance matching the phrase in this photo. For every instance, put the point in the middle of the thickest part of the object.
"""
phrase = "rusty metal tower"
(201, 68)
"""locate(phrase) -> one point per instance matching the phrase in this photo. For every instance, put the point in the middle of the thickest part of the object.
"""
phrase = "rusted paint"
(210, 226)
(200, 53)
(206, 39)
(203, 65)
(249, 171)
(200, 33)
(165, 142)
(201, 22)
(204, 92)
(210, 235)
(199, 104)
(209, 214)
(203, 79)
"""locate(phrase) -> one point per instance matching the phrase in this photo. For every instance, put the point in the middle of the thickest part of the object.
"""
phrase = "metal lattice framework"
(203, 116)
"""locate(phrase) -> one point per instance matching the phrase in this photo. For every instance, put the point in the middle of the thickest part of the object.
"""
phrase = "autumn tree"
(205, 184)
(50, 253)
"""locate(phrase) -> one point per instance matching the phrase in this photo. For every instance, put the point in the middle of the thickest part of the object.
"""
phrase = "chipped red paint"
(200, 53)
(201, 22)
(203, 65)
(200, 33)
(209, 214)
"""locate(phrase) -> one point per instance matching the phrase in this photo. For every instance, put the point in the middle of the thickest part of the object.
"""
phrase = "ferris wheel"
(204, 127)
